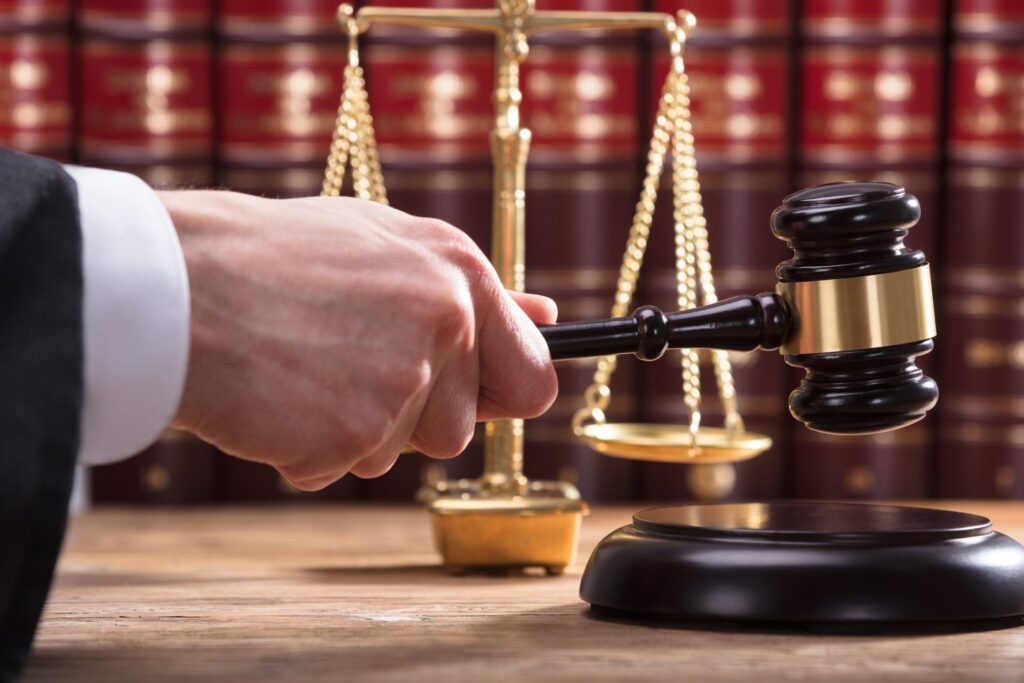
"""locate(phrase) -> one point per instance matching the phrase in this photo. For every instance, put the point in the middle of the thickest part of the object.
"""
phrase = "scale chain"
(598, 394)
(353, 140)
(672, 128)
(683, 181)
(686, 189)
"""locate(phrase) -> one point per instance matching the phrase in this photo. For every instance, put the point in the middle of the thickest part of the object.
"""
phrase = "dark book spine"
(738, 63)
(145, 90)
(870, 108)
(35, 78)
(178, 469)
(581, 101)
(144, 104)
(981, 453)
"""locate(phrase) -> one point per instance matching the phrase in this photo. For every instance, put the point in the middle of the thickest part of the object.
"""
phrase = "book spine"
(279, 70)
(145, 90)
(870, 108)
(981, 453)
(34, 15)
(738, 65)
(144, 103)
(133, 18)
(581, 101)
(430, 97)
(178, 469)
(277, 21)
(35, 94)
(431, 104)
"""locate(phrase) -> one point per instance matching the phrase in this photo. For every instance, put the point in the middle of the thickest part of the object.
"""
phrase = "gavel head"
(861, 307)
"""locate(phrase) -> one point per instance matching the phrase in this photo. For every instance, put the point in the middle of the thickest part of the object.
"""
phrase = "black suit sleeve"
(41, 371)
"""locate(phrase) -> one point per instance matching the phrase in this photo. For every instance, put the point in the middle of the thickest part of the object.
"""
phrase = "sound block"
(804, 562)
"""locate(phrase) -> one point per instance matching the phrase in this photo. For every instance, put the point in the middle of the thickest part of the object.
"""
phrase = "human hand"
(328, 332)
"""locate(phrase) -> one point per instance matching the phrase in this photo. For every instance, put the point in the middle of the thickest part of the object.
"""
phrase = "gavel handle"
(743, 323)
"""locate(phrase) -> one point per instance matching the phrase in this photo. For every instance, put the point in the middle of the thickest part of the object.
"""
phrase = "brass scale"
(502, 519)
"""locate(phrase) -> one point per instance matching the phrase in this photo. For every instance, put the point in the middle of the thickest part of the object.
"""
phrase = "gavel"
(853, 307)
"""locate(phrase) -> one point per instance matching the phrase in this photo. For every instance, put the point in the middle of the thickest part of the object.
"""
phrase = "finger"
(540, 309)
(517, 378)
(448, 419)
(383, 458)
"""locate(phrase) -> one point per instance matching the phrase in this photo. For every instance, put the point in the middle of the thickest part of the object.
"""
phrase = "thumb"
(540, 309)
(517, 378)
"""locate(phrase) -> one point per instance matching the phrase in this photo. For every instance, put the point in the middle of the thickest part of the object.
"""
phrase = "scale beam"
(493, 21)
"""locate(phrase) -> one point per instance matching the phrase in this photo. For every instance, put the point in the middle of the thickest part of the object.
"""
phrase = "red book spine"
(987, 103)
(35, 93)
(145, 89)
(870, 105)
(278, 102)
(870, 109)
(988, 19)
(277, 20)
(431, 104)
(34, 15)
(738, 65)
(422, 35)
(279, 70)
(981, 452)
(149, 17)
(873, 19)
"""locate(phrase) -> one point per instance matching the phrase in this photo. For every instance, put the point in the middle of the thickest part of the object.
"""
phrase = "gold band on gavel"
(850, 314)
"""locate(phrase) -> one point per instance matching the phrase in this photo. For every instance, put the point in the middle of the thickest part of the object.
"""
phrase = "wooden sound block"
(805, 563)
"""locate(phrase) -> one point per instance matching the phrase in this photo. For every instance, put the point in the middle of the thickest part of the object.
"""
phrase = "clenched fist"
(328, 332)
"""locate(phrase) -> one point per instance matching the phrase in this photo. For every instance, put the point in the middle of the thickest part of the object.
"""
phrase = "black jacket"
(40, 386)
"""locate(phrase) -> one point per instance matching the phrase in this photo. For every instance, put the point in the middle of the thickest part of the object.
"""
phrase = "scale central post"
(503, 519)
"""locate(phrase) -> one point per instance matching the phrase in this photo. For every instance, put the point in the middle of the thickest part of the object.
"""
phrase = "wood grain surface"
(356, 593)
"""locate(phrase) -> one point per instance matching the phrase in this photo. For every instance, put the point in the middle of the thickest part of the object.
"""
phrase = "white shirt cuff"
(136, 315)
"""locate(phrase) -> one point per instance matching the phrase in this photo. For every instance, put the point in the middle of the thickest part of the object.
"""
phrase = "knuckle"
(457, 247)
(448, 312)
(448, 444)
(351, 442)
(474, 265)
(437, 230)
(536, 395)
(376, 465)
(394, 391)
(304, 480)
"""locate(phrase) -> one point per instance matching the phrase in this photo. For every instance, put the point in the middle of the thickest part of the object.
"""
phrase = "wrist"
(196, 220)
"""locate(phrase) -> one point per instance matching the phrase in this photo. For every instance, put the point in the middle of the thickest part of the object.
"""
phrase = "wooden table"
(355, 593)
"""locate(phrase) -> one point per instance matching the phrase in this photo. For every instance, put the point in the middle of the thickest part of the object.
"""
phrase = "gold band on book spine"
(850, 314)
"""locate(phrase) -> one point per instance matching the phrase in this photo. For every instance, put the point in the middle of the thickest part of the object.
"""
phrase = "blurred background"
(929, 94)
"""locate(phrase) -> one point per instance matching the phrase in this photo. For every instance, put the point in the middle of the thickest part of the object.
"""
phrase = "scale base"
(476, 528)
(838, 565)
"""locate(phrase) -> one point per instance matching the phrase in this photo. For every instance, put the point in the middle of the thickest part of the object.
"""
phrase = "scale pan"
(671, 442)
